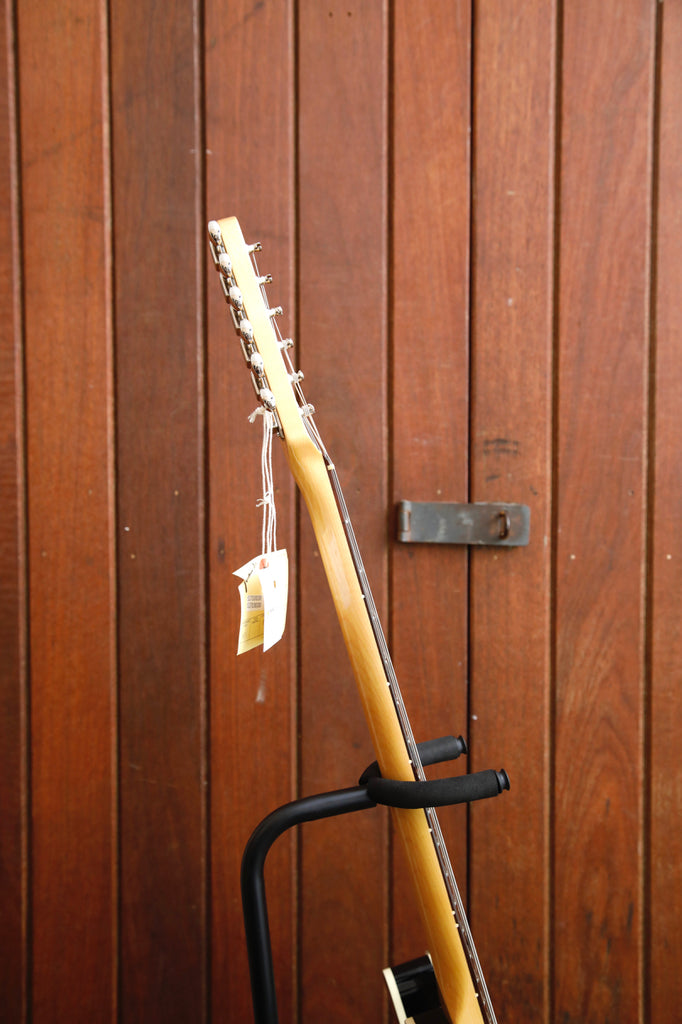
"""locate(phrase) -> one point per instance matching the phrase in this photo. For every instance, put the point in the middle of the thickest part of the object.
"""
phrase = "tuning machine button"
(236, 298)
(256, 364)
(225, 264)
(215, 232)
(268, 399)
(246, 330)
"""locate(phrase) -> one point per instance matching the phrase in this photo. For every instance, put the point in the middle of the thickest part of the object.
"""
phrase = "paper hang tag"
(263, 593)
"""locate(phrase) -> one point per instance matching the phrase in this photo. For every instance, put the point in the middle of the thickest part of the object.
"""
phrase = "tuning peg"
(268, 399)
(215, 232)
(296, 377)
(275, 311)
(266, 279)
(256, 363)
(235, 297)
(246, 330)
(225, 265)
(254, 247)
(286, 343)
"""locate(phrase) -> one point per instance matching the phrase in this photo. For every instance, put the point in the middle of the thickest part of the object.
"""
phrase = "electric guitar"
(463, 993)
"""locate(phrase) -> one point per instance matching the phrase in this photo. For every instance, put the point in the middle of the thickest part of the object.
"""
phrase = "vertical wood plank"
(513, 131)
(603, 294)
(665, 854)
(13, 632)
(429, 436)
(342, 231)
(250, 160)
(70, 507)
(408, 442)
(159, 366)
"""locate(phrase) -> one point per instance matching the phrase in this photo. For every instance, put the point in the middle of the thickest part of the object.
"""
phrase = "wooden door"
(471, 212)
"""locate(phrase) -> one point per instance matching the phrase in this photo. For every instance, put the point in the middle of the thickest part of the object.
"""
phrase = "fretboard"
(411, 746)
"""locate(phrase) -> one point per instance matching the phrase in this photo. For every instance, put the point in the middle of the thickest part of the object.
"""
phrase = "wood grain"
(250, 174)
(342, 89)
(603, 295)
(429, 388)
(665, 854)
(511, 449)
(160, 435)
(69, 445)
(338, 135)
(13, 626)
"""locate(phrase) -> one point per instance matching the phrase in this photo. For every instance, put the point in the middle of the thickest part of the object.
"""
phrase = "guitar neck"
(450, 944)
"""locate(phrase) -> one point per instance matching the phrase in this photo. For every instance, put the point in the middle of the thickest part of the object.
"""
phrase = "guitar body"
(414, 992)
(459, 981)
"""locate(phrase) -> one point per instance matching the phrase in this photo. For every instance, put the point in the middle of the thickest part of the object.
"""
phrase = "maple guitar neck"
(455, 962)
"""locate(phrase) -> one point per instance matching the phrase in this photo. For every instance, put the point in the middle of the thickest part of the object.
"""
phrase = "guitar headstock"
(277, 384)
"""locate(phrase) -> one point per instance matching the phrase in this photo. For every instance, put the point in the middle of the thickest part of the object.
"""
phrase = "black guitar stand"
(371, 790)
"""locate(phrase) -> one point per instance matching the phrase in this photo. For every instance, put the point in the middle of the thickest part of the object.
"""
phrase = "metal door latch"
(500, 524)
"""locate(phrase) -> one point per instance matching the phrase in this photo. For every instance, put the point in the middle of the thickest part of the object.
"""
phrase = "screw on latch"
(446, 522)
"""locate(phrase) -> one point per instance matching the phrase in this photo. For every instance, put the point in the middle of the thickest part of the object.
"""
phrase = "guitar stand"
(371, 790)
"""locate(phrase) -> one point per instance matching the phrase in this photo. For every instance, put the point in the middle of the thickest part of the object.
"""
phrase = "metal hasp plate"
(499, 524)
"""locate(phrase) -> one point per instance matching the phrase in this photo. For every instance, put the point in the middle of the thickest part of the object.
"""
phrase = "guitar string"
(307, 411)
(430, 813)
(392, 681)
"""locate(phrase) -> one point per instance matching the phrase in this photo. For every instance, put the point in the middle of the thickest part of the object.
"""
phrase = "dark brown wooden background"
(473, 213)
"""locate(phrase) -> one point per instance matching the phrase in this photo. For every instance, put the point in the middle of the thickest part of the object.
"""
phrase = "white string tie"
(267, 502)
